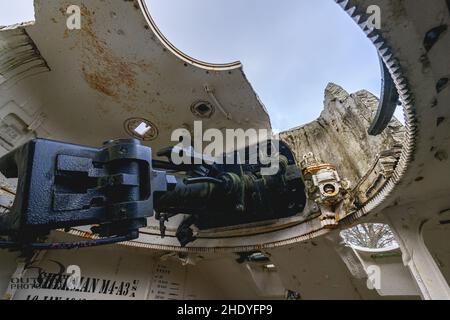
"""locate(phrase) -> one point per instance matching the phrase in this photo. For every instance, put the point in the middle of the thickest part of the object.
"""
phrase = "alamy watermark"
(73, 22)
(250, 146)
(74, 17)
(374, 20)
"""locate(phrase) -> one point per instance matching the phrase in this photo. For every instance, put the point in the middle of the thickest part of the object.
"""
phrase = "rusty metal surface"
(117, 67)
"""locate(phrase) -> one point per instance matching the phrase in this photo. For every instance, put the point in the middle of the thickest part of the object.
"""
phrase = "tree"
(369, 235)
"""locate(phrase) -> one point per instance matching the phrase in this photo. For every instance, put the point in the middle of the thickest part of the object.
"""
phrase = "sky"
(290, 49)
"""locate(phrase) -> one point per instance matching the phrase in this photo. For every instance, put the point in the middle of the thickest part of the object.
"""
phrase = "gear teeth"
(387, 59)
(363, 19)
(344, 4)
(356, 18)
(373, 34)
(391, 62)
(351, 11)
(378, 42)
(376, 39)
(359, 16)
(378, 45)
(405, 96)
(408, 100)
(340, 2)
(383, 49)
(365, 28)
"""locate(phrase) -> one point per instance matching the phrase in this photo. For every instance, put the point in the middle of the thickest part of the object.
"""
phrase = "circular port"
(141, 129)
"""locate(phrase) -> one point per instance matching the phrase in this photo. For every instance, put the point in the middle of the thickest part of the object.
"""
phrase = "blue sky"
(290, 49)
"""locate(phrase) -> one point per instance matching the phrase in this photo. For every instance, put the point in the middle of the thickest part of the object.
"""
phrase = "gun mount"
(115, 188)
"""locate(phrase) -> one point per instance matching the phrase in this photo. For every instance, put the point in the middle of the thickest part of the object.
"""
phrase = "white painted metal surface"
(83, 85)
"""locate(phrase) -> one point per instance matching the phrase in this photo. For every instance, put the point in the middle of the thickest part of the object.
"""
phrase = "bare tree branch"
(370, 235)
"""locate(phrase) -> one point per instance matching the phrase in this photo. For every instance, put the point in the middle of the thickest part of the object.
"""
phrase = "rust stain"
(100, 83)
(129, 108)
(106, 72)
